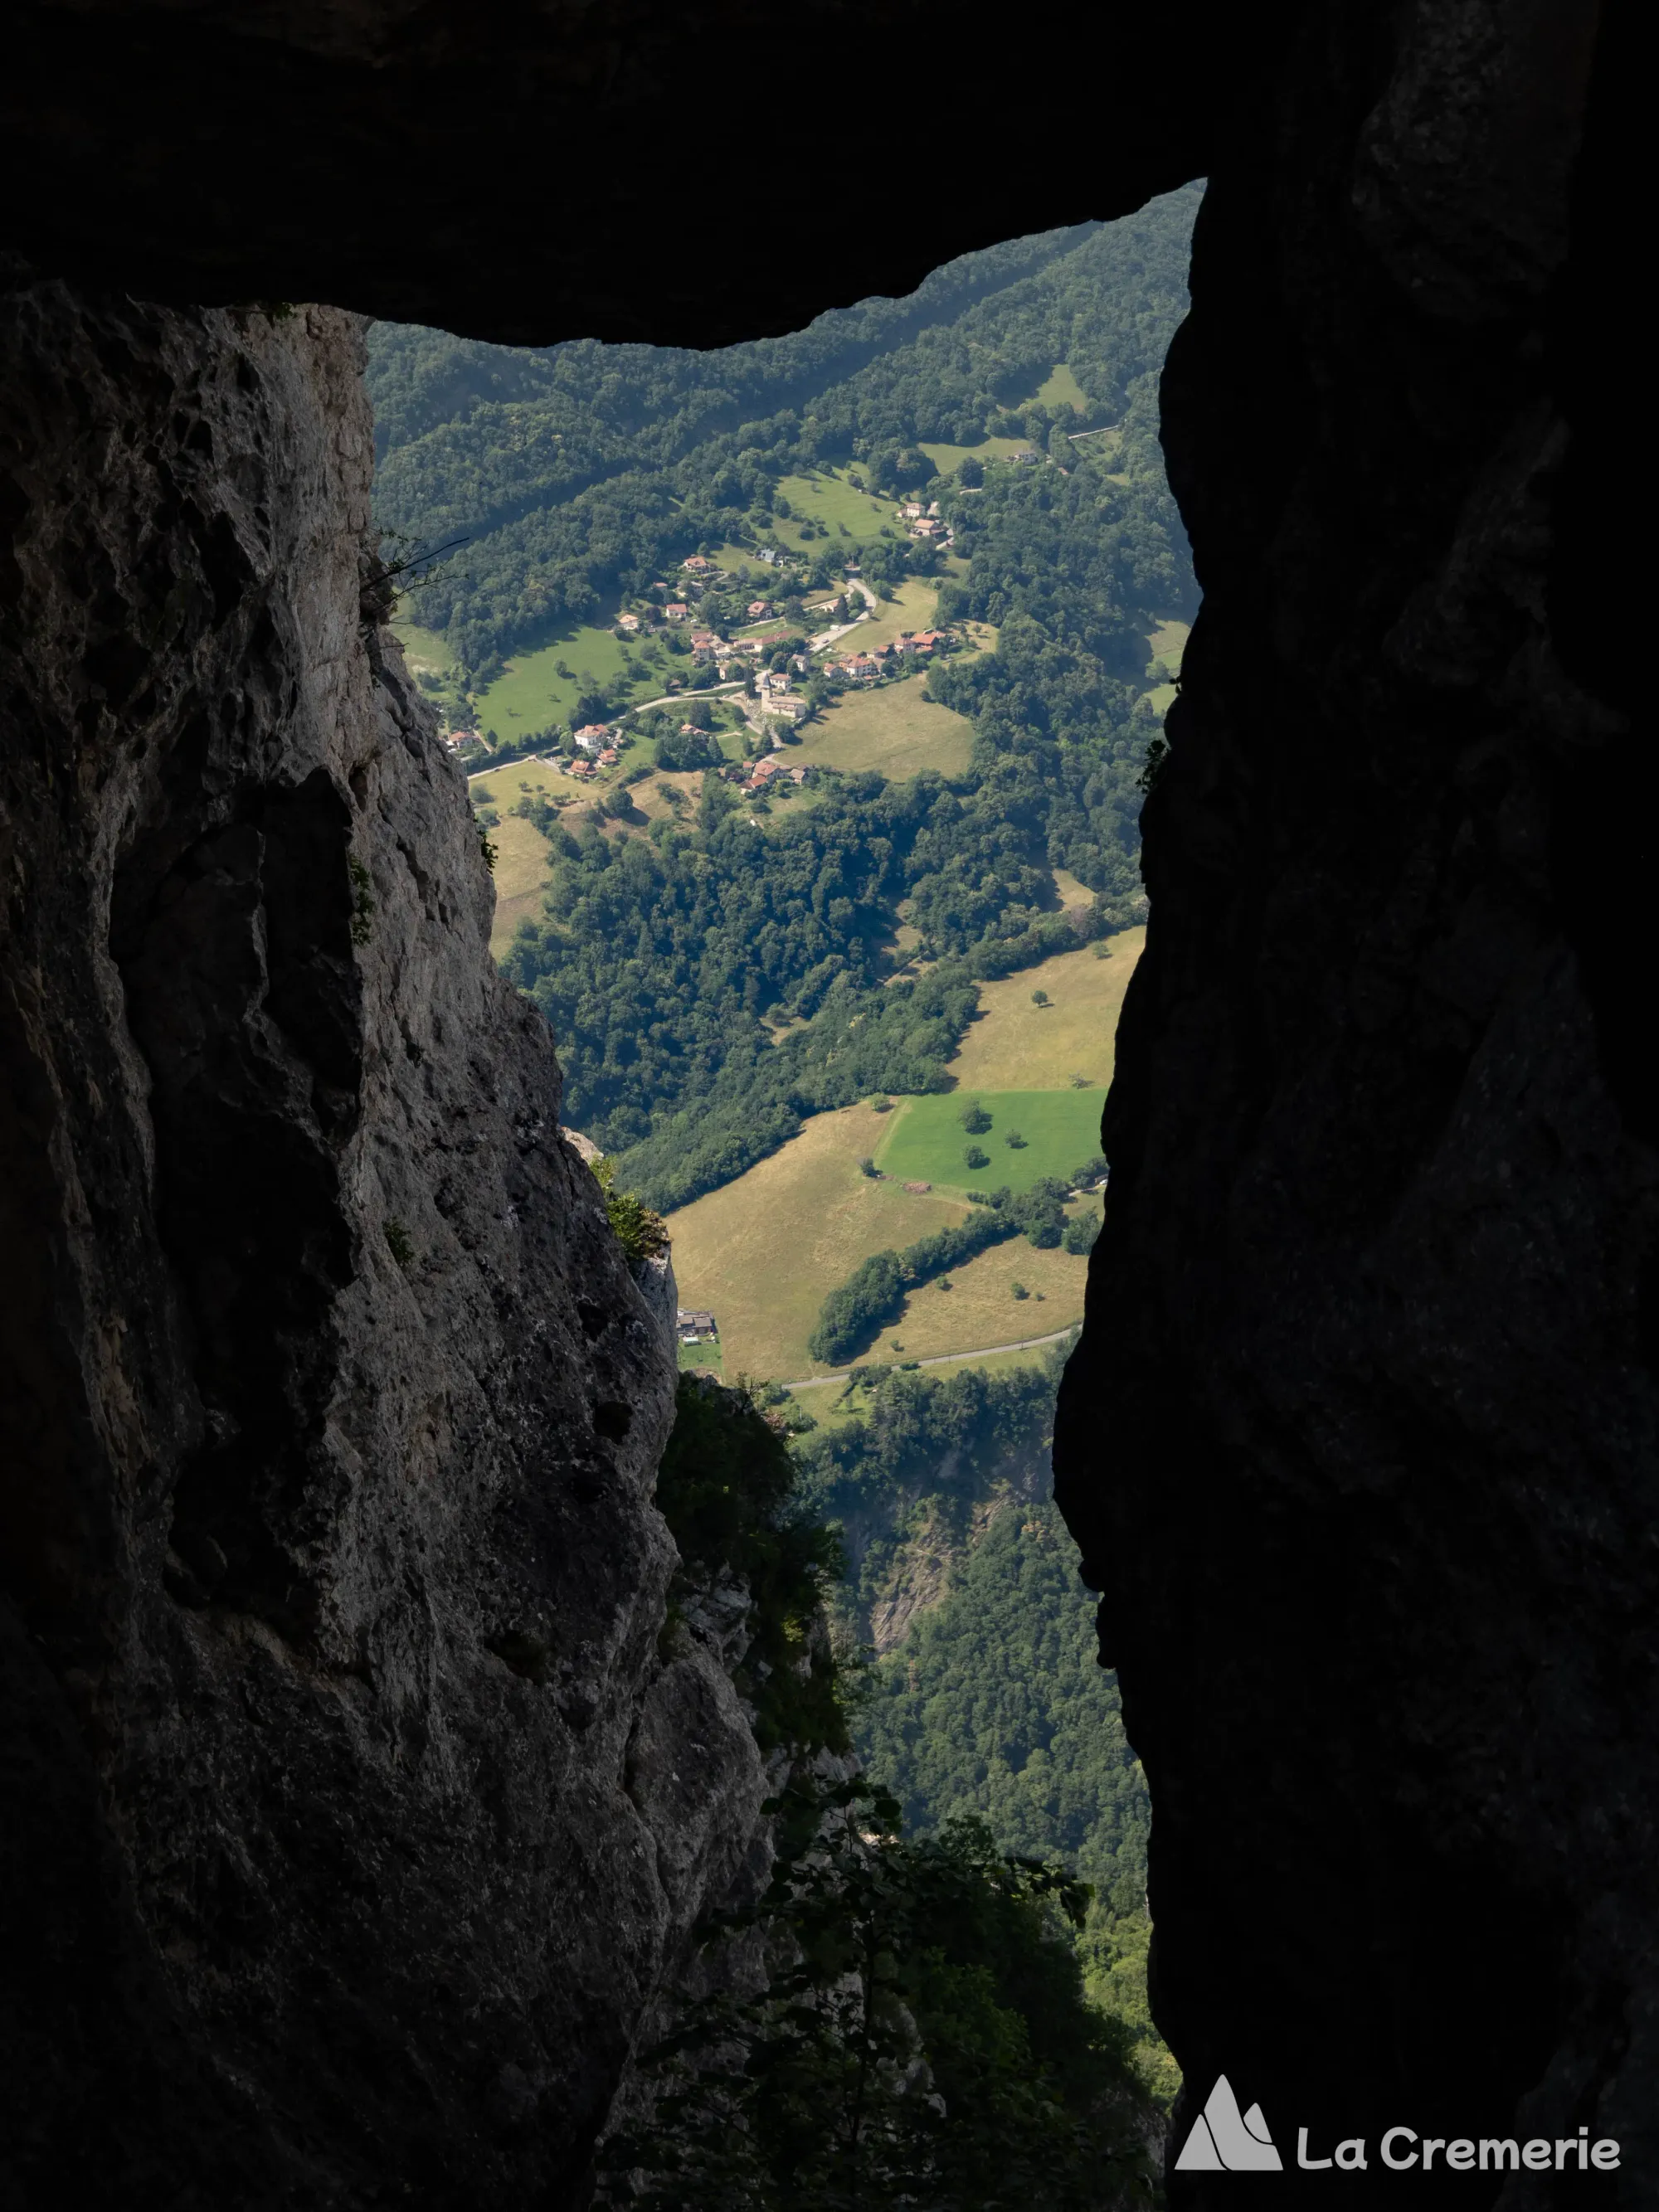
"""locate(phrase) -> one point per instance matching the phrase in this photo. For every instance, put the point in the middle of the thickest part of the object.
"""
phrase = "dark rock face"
(1362, 1443)
(529, 173)
(352, 1819)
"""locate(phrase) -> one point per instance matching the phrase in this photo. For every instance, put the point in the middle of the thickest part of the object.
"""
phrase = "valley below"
(812, 828)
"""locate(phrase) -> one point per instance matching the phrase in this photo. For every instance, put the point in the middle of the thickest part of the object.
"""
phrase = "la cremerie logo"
(1224, 2140)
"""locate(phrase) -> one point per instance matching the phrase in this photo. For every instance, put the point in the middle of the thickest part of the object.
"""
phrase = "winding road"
(944, 1359)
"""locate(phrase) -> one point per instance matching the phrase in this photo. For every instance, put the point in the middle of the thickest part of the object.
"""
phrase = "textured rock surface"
(1362, 1443)
(352, 1817)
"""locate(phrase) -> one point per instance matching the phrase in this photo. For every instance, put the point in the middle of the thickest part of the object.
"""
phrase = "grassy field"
(829, 499)
(1061, 389)
(1169, 641)
(763, 1252)
(926, 1141)
(979, 1308)
(895, 732)
(532, 693)
(521, 854)
(739, 559)
(503, 787)
(521, 857)
(944, 458)
(423, 648)
(1014, 1045)
(915, 606)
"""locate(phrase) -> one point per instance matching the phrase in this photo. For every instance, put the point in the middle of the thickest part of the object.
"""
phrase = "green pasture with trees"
(928, 1139)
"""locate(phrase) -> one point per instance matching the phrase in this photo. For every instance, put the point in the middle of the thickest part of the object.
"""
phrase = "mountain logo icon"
(1222, 2142)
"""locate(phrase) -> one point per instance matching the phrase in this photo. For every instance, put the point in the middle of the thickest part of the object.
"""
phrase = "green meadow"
(944, 458)
(424, 649)
(896, 730)
(531, 693)
(829, 499)
(926, 1142)
(1061, 389)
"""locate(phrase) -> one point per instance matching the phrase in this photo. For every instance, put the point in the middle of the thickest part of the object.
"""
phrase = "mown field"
(1061, 389)
(521, 857)
(1015, 1046)
(763, 1252)
(532, 693)
(926, 1141)
(829, 500)
(831, 1402)
(914, 606)
(980, 1308)
(895, 732)
(946, 459)
(424, 649)
(1168, 642)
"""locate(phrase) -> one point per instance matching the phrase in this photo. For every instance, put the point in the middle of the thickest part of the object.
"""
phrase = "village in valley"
(735, 663)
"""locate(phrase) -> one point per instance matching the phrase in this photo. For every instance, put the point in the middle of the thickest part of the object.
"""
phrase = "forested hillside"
(714, 974)
(986, 1700)
(578, 472)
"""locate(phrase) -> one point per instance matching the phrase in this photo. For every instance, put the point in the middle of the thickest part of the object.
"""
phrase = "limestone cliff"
(1361, 1440)
(353, 1816)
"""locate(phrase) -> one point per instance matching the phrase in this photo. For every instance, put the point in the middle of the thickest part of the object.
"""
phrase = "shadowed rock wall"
(1362, 1440)
(344, 1836)
(689, 174)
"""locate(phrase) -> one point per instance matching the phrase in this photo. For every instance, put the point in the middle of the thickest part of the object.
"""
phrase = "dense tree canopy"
(991, 1705)
(577, 472)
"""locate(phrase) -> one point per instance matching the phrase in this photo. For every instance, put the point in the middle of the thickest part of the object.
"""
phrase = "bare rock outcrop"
(346, 1837)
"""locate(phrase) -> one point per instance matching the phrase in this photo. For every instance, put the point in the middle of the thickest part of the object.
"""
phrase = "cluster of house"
(694, 1327)
(925, 522)
(766, 772)
(867, 667)
(596, 744)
